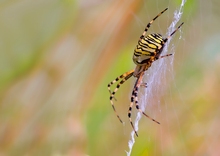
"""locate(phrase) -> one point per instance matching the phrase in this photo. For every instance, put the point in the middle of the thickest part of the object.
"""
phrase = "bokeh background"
(57, 57)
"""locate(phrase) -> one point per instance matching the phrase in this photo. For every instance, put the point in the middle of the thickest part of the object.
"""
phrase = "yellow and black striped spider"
(147, 51)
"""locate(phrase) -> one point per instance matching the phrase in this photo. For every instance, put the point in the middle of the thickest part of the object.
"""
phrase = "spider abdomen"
(147, 49)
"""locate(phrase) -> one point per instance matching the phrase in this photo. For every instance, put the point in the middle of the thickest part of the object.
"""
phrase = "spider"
(148, 50)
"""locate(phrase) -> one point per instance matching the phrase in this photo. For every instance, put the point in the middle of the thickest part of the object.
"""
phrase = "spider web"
(159, 73)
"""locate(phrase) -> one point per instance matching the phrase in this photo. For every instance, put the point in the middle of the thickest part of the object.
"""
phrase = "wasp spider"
(148, 50)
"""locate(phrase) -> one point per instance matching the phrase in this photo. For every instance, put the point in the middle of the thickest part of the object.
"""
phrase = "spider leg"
(117, 79)
(134, 98)
(143, 85)
(125, 77)
(130, 110)
(149, 24)
(134, 94)
(112, 82)
(165, 40)
(164, 56)
(137, 106)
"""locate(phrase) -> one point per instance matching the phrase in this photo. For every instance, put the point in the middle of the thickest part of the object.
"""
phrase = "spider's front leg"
(130, 110)
(124, 78)
(144, 85)
(134, 99)
(137, 106)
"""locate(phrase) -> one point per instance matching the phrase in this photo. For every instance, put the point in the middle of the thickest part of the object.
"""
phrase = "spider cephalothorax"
(148, 50)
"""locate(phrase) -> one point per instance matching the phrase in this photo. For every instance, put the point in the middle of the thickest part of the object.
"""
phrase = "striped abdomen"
(148, 49)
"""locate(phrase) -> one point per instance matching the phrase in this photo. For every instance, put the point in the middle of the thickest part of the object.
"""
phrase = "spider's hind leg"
(149, 24)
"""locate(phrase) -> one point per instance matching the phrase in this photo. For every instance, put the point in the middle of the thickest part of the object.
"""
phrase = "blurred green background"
(57, 57)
